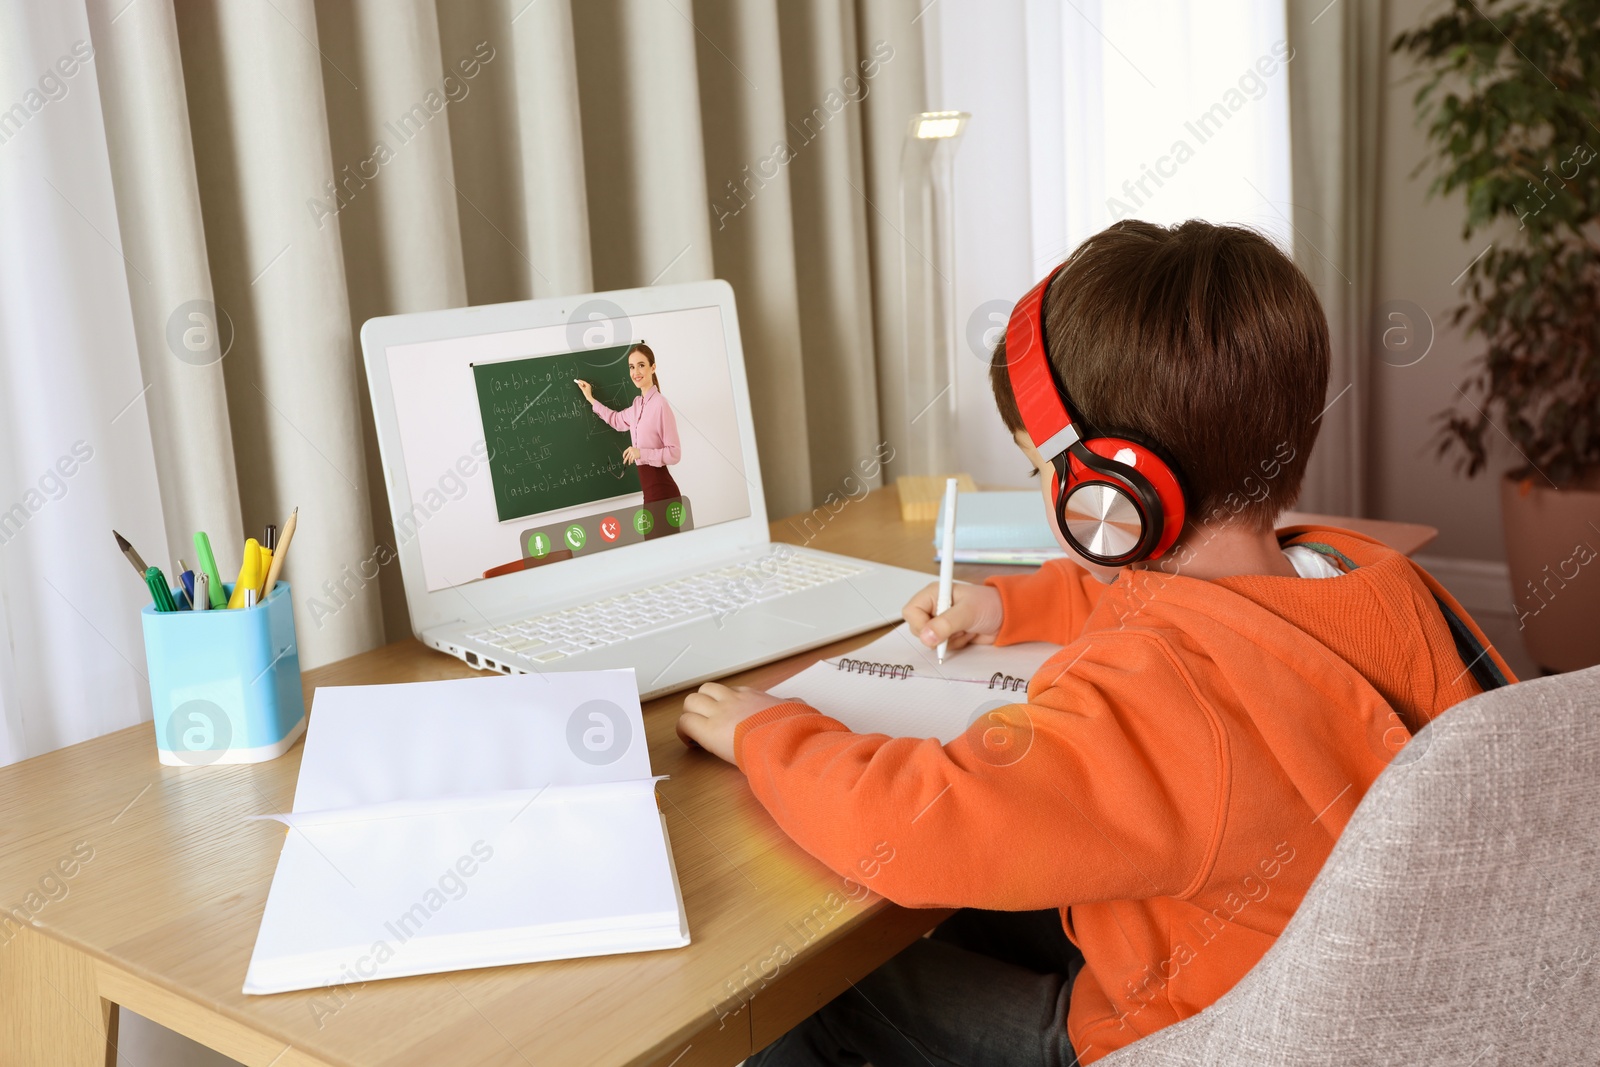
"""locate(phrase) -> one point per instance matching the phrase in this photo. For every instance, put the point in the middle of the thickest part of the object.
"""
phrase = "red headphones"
(1117, 501)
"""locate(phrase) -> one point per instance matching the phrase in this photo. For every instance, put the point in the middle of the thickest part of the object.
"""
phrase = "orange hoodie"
(1173, 784)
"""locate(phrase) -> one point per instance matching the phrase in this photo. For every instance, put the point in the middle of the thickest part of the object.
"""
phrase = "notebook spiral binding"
(882, 670)
(1001, 680)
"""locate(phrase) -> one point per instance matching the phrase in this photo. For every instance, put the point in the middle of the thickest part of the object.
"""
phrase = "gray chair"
(1457, 920)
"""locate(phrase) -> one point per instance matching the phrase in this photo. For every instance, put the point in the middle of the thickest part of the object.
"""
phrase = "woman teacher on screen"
(650, 424)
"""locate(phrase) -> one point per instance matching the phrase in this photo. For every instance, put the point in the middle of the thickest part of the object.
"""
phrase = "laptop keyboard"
(546, 638)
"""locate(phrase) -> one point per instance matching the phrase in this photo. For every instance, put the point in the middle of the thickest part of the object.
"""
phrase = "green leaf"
(1509, 91)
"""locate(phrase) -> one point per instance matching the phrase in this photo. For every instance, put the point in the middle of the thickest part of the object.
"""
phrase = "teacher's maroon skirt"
(657, 484)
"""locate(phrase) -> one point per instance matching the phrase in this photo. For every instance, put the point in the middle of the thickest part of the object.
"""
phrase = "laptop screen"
(528, 448)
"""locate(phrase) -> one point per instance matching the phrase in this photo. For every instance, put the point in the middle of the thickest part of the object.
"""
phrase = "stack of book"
(999, 527)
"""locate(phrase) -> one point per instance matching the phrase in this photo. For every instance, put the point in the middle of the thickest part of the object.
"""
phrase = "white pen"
(947, 562)
(202, 591)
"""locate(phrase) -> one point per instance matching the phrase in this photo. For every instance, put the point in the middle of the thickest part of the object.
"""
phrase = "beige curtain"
(1334, 87)
(288, 170)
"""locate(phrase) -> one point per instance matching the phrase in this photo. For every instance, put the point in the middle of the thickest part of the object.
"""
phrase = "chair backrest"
(1457, 919)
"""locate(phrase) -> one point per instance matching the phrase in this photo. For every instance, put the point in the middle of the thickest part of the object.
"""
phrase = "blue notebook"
(999, 527)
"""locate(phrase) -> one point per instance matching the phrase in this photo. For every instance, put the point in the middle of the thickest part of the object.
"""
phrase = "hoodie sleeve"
(1107, 785)
(1051, 604)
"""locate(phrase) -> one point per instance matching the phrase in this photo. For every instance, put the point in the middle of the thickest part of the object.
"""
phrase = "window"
(1162, 110)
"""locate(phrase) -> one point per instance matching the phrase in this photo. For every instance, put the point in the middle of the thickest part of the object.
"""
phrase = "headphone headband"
(1117, 501)
(1039, 398)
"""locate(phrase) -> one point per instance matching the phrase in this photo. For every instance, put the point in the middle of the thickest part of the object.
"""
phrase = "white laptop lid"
(492, 457)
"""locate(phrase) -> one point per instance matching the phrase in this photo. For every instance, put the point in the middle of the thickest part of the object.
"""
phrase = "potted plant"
(1511, 100)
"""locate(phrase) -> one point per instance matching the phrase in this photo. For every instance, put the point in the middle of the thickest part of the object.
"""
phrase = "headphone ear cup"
(1108, 514)
(1103, 521)
(1096, 510)
(1151, 476)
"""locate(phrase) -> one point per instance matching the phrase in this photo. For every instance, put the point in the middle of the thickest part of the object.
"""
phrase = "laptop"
(527, 540)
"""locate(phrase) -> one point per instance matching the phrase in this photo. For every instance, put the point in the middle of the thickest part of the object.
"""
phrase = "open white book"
(897, 686)
(479, 822)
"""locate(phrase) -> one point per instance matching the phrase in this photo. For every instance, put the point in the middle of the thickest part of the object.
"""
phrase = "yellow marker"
(249, 573)
(265, 565)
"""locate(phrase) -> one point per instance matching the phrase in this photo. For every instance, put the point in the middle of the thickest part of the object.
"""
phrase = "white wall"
(1420, 253)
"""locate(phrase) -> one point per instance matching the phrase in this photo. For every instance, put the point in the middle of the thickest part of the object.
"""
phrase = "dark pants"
(987, 989)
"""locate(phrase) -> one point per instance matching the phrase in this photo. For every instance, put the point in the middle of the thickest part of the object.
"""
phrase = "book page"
(573, 872)
(468, 823)
(428, 741)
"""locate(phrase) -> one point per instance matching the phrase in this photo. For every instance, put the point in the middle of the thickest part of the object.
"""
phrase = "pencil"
(133, 556)
(947, 562)
(285, 535)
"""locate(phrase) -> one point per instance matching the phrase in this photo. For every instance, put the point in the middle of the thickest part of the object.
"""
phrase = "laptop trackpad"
(714, 647)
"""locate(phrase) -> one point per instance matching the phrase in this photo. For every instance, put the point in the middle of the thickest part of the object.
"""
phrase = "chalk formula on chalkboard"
(548, 448)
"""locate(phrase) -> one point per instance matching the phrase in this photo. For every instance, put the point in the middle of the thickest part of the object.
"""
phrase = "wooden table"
(134, 884)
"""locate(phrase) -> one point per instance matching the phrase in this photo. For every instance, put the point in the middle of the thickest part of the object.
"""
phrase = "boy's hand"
(711, 715)
(974, 616)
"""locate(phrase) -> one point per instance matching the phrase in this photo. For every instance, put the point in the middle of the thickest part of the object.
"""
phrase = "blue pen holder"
(224, 685)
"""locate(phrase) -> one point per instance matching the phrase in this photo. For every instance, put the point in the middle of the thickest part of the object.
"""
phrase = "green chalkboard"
(547, 447)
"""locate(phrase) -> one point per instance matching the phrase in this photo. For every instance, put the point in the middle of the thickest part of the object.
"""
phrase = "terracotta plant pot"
(1553, 548)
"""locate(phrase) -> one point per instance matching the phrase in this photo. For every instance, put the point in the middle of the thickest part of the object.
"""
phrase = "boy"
(1183, 766)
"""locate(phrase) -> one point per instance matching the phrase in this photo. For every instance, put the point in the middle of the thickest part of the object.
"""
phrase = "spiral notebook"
(897, 686)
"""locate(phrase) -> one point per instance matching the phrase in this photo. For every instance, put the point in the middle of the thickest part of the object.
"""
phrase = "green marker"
(208, 564)
(160, 595)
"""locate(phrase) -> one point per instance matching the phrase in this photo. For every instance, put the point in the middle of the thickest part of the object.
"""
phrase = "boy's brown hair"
(1203, 340)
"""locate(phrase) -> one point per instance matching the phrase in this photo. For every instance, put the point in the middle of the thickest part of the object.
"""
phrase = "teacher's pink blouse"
(650, 423)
